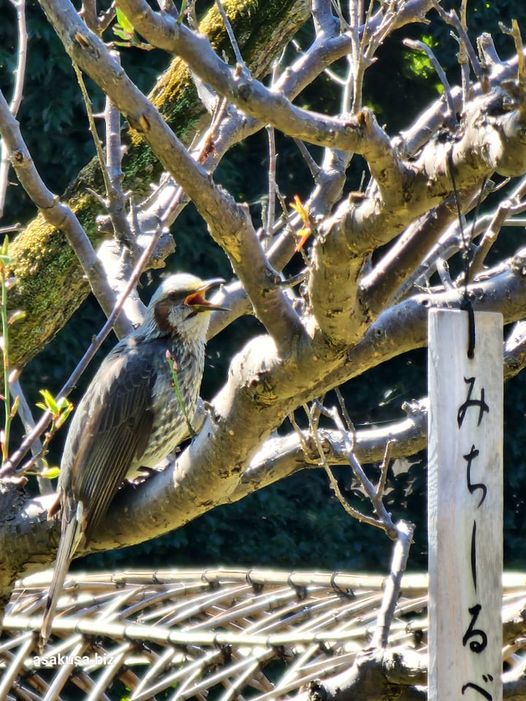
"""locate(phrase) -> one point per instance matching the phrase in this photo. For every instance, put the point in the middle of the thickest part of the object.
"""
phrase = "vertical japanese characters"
(474, 638)
(465, 506)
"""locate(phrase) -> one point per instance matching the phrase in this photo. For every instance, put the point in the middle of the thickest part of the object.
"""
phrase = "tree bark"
(49, 282)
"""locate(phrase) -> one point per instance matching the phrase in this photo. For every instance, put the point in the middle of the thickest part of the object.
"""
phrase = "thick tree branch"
(380, 286)
(282, 456)
(50, 282)
(229, 223)
(492, 139)
(254, 401)
(403, 327)
(374, 676)
(360, 134)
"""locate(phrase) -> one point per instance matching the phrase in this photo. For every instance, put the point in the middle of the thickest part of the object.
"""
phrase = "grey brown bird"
(131, 416)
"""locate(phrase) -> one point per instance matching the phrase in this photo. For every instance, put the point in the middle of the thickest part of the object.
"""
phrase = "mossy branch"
(50, 285)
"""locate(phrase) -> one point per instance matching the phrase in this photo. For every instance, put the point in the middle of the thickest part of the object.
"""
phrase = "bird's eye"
(174, 297)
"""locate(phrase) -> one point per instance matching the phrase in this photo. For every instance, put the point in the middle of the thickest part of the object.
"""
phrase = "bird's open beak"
(197, 300)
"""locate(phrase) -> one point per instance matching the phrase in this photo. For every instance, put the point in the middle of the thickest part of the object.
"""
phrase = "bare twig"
(230, 32)
(490, 236)
(16, 99)
(344, 24)
(515, 33)
(335, 487)
(384, 520)
(463, 55)
(348, 421)
(89, 13)
(110, 164)
(301, 436)
(104, 165)
(106, 18)
(383, 515)
(272, 158)
(309, 160)
(519, 47)
(20, 71)
(5, 285)
(315, 412)
(487, 50)
(421, 46)
(384, 468)
(348, 87)
(404, 537)
(44, 420)
(444, 274)
(453, 19)
(116, 196)
(352, 93)
(26, 416)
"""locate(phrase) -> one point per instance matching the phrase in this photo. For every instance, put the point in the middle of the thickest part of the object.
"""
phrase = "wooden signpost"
(465, 506)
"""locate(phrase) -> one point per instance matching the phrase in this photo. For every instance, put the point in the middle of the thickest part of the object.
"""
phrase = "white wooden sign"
(465, 507)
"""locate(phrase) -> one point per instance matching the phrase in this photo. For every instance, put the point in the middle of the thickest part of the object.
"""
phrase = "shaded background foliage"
(296, 523)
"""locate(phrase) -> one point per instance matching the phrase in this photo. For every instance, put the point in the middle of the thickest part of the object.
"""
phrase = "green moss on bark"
(50, 284)
(49, 281)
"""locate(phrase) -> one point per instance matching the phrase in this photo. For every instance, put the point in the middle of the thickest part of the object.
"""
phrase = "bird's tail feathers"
(69, 540)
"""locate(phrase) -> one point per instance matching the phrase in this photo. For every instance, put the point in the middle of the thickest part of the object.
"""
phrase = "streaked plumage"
(130, 416)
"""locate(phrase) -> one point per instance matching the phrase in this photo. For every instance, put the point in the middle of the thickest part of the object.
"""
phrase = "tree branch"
(50, 282)
(245, 411)
(280, 457)
(492, 140)
(54, 211)
(360, 134)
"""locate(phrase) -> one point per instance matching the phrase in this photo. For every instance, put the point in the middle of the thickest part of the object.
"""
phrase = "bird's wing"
(110, 431)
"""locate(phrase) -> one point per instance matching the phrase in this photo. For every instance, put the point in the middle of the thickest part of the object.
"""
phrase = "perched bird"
(135, 411)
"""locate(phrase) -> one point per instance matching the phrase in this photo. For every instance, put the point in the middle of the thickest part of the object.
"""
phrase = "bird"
(136, 410)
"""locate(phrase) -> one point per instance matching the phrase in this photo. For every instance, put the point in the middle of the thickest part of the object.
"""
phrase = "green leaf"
(50, 473)
(17, 315)
(14, 408)
(50, 403)
(419, 64)
(64, 404)
(429, 40)
(124, 22)
(65, 411)
(123, 35)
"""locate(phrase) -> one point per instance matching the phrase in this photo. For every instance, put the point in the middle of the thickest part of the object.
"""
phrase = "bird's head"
(180, 305)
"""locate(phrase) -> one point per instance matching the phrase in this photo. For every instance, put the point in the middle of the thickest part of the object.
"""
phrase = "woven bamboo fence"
(221, 634)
